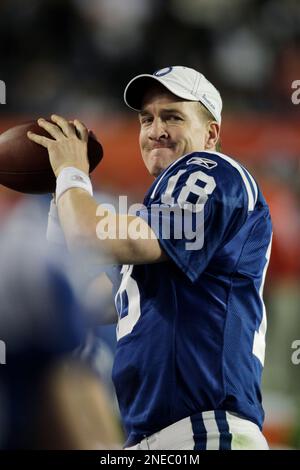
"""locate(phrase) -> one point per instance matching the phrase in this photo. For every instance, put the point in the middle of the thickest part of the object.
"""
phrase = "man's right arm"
(113, 245)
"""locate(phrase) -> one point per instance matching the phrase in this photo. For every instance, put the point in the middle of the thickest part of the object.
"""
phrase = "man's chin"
(160, 159)
(156, 170)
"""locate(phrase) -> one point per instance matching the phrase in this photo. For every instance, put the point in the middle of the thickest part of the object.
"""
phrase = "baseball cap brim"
(137, 87)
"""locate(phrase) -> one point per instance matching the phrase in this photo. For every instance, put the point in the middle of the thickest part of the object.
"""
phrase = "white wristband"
(71, 177)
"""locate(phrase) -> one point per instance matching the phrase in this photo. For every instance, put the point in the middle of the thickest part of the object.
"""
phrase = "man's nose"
(158, 130)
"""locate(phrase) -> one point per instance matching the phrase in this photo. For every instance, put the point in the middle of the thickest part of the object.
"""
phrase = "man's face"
(170, 128)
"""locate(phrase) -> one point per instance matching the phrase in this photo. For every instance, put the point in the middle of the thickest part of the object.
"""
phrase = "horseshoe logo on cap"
(161, 72)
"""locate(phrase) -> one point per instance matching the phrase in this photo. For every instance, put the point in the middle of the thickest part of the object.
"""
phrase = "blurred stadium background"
(74, 58)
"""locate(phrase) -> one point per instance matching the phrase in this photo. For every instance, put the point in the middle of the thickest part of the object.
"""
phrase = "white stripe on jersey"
(251, 199)
(259, 341)
(254, 185)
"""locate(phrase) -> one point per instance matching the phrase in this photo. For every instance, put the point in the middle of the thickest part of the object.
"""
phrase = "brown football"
(25, 165)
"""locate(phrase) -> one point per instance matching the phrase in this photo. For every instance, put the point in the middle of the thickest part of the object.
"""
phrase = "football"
(25, 165)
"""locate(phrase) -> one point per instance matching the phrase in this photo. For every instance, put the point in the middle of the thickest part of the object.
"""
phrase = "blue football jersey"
(191, 330)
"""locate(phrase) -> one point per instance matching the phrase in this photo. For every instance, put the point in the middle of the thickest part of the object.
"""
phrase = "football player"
(188, 275)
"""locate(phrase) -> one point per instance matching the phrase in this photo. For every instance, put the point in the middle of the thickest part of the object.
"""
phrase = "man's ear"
(213, 133)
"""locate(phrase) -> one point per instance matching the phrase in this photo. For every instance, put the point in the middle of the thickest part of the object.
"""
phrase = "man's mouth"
(160, 146)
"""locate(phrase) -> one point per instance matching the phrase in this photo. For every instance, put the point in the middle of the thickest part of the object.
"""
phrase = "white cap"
(183, 82)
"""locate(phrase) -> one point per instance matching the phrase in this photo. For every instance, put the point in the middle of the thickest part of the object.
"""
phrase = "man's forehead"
(160, 95)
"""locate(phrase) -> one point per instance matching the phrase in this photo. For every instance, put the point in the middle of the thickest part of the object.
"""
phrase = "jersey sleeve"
(194, 212)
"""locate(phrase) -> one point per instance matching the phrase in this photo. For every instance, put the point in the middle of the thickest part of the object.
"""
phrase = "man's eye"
(174, 117)
(147, 120)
